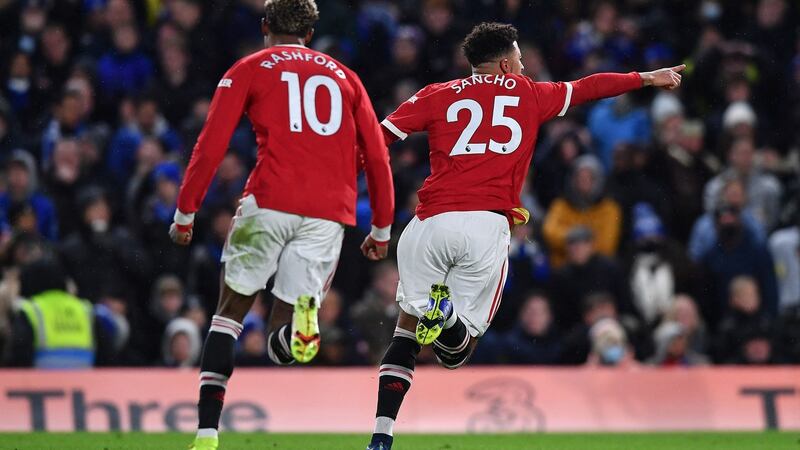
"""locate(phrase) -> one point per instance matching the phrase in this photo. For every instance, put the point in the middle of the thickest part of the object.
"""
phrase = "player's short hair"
(294, 17)
(487, 41)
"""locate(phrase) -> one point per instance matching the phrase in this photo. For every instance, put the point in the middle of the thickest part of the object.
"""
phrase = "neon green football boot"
(305, 329)
(205, 443)
(431, 323)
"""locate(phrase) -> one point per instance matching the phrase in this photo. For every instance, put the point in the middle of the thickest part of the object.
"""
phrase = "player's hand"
(181, 234)
(374, 250)
(667, 78)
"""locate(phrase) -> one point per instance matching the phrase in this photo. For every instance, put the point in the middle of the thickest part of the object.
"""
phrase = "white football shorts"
(302, 252)
(467, 251)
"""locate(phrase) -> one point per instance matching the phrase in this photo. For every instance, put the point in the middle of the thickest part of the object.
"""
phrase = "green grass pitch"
(549, 441)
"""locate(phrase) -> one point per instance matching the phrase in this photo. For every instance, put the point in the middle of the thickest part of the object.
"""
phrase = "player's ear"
(309, 35)
(505, 66)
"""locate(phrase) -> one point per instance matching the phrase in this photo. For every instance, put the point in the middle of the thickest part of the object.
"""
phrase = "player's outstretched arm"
(554, 99)
(224, 114)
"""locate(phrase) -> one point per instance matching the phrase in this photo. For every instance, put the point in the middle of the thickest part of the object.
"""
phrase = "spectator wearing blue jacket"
(23, 190)
(149, 123)
(704, 232)
(732, 254)
(125, 70)
(617, 121)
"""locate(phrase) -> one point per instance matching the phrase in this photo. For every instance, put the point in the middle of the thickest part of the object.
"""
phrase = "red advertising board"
(471, 400)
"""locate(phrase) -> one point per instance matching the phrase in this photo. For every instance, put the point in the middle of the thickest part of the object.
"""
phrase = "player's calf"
(454, 346)
(394, 380)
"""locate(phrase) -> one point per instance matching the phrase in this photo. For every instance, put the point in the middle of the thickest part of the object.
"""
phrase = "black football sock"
(394, 380)
(278, 348)
(216, 368)
(452, 346)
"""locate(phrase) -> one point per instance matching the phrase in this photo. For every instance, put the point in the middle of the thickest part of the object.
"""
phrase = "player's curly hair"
(487, 41)
(295, 17)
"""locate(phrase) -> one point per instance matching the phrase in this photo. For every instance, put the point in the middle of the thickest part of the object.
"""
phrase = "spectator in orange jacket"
(584, 203)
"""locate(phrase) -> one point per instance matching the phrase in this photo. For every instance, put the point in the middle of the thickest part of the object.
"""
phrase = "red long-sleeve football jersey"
(312, 117)
(482, 132)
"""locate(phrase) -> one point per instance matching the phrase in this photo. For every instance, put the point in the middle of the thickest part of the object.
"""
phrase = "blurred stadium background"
(664, 253)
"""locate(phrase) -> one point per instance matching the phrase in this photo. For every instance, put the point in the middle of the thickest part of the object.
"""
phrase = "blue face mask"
(610, 356)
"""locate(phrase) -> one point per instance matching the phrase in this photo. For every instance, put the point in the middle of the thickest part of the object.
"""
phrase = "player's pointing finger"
(678, 68)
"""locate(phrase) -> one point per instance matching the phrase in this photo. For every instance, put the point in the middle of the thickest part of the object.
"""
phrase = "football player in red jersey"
(481, 131)
(314, 127)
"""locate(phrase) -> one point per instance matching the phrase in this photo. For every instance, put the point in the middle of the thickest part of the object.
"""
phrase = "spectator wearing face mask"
(586, 204)
(98, 253)
(657, 267)
(704, 231)
(609, 345)
(763, 190)
(735, 253)
(64, 179)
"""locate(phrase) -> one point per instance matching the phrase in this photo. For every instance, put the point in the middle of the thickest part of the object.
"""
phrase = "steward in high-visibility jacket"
(63, 331)
(53, 329)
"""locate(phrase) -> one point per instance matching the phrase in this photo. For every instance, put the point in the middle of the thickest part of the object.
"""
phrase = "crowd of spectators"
(666, 225)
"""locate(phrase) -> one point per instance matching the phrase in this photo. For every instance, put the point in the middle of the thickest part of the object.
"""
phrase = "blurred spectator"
(23, 193)
(534, 340)
(99, 255)
(147, 122)
(125, 70)
(166, 303)
(53, 329)
(704, 231)
(229, 183)
(657, 266)
(67, 122)
(685, 313)
(615, 122)
(527, 269)
(586, 272)
(683, 165)
(785, 247)
(576, 343)
(375, 315)
(609, 345)
(743, 319)
(758, 348)
(555, 166)
(583, 204)
(629, 185)
(673, 349)
(735, 253)
(181, 343)
(337, 333)
(63, 181)
(763, 190)
(252, 342)
(156, 216)
(205, 261)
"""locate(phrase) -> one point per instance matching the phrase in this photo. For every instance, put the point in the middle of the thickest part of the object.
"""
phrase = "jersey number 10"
(309, 103)
(463, 145)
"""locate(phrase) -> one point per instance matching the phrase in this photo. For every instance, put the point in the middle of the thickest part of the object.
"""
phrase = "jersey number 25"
(309, 103)
(463, 145)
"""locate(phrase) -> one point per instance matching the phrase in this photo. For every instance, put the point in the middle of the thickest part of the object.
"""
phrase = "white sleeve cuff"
(567, 99)
(381, 234)
(396, 131)
(183, 218)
